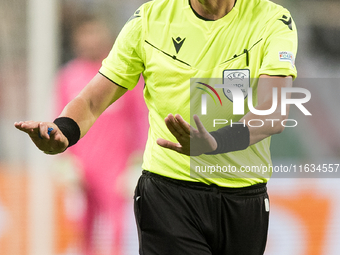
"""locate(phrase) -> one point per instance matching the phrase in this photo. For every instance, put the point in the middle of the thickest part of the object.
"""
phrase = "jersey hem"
(279, 72)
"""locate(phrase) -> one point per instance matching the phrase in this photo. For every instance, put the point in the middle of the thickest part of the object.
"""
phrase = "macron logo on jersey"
(134, 16)
(287, 21)
(178, 43)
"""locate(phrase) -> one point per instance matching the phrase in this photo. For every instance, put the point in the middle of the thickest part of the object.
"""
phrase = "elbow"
(279, 129)
(280, 125)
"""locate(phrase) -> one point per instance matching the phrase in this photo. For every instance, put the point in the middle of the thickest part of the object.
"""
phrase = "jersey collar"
(209, 23)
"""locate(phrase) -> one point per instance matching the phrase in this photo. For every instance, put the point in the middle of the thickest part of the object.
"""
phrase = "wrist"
(69, 128)
(231, 138)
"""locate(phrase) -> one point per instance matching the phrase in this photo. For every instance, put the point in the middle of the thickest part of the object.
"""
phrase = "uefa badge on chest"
(239, 78)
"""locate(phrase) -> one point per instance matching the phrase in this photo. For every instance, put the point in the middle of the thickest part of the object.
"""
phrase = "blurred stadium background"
(39, 204)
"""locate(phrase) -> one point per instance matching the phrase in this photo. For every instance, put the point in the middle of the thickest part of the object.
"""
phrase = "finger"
(18, 125)
(28, 131)
(57, 136)
(31, 128)
(30, 124)
(184, 125)
(199, 124)
(43, 130)
(169, 145)
(25, 126)
(176, 126)
(171, 128)
(53, 133)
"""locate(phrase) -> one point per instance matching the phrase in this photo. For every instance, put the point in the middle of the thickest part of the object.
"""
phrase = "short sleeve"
(280, 47)
(124, 63)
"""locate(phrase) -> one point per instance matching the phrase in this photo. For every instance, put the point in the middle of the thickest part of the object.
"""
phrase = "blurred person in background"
(112, 134)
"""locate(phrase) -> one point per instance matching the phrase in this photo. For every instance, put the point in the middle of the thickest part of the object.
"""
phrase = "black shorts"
(187, 218)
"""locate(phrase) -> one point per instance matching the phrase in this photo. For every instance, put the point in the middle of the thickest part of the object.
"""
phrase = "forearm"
(80, 111)
(261, 127)
(257, 127)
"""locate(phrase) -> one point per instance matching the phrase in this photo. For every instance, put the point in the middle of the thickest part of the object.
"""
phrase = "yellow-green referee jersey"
(166, 42)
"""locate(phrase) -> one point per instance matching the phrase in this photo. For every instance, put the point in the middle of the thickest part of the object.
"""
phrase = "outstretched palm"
(50, 143)
(191, 141)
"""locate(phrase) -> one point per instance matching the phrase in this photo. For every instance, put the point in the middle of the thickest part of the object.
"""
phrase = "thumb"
(199, 124)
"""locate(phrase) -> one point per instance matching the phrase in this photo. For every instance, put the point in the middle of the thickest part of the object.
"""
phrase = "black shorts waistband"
(260, 187)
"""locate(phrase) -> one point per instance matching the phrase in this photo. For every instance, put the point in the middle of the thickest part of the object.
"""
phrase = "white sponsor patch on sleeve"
(287, 56)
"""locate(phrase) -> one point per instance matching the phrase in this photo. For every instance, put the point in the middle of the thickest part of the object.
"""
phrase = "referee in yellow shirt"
(170, 42)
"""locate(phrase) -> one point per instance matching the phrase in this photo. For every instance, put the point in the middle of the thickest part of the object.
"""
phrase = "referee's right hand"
(50, 143)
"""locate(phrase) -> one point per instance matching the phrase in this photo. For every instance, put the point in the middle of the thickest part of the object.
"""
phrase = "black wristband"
(231, 138)
(69, 128)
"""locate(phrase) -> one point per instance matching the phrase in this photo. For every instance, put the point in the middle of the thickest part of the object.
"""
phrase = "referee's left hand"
(191, 141)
